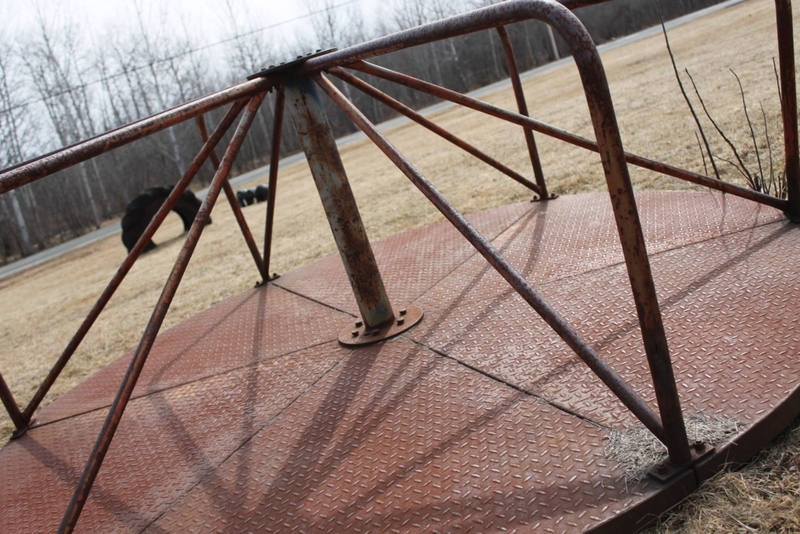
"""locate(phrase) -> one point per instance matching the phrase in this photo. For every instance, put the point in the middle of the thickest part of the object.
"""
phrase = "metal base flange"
(356, 334)
(666, 471)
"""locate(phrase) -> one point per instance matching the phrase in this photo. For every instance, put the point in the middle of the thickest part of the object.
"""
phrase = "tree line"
(58, 87)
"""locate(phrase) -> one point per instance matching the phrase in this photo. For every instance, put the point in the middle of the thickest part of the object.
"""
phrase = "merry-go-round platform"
(252, 417)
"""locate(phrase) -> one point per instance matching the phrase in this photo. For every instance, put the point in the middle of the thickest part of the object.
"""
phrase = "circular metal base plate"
(356, 334)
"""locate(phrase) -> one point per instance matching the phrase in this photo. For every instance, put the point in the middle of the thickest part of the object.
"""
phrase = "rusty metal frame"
(563, 135)
(234, 204)
(668, 425)
(522, 106)
(609, 145)
(139, 358)
(274, 160)
(783, 15)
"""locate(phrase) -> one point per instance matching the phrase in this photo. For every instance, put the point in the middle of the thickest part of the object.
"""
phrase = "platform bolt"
(698, 445)
(359, 324)
(400, 321)
(355, 333)
(403, 311)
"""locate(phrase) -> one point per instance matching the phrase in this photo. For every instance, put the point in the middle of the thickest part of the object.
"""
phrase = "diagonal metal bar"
(614, 382)
(134, 254)
(231, 196)
(629, 227)
(11, 405)
(430, 125)
(117, 408)
(32, 170)
(563, 135)
(519, 95)
(612, 155)
(274, 162)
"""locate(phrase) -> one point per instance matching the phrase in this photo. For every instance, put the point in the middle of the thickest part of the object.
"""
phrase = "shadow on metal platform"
(252, 417)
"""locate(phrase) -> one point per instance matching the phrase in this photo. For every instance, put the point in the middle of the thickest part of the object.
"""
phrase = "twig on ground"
(759, 181)
(686, 96)
(741, 167)
(702, 154)
(771, 185)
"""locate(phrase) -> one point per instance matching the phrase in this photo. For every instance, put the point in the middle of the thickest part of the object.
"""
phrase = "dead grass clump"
(637, 450)
(762, 497)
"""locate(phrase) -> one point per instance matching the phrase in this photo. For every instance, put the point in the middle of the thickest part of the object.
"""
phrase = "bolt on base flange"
(666, 471)
(356, 333)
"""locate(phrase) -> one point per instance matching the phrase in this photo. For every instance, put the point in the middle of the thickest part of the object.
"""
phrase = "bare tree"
(53, 62)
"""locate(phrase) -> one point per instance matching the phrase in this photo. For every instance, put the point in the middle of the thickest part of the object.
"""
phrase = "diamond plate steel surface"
(260, 323)
(475, 317)
(250, 417)
(166, 444)
(389, 442)
(410, 262)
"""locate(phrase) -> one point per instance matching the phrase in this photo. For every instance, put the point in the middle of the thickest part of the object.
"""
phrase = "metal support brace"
(783, 13)
(378, 320)
(519, 94)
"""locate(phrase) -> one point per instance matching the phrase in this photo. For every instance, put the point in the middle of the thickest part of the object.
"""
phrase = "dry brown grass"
(637, 451)
(44, 306)
(763, 497)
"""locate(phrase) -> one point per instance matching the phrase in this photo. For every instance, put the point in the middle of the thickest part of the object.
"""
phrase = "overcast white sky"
(208, 16)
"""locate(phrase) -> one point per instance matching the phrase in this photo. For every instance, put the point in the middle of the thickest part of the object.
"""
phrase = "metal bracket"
(284, 65)
(272, 278)
(666, 470)
(356, 334)
(19, 432)
(537, 198)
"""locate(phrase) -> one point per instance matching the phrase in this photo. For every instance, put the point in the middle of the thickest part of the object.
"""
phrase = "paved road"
(112, 229)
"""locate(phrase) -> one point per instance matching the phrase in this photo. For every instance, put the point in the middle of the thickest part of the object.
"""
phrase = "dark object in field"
(246, 197)
(262, 193)
(141, 210)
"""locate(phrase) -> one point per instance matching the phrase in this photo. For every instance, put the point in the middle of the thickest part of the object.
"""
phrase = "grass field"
(43, 307)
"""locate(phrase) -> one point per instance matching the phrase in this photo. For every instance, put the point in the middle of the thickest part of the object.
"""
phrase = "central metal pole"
(319, 145)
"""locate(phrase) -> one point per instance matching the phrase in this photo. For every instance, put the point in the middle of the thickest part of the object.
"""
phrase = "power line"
(171, 58)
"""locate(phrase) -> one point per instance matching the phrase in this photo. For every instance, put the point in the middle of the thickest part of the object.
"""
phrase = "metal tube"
(162, 306)
(557, 133)
(609, 142)
(500, 14)
(340, 206)
(274, 162)
(576, 4)
(237, 211)
(614, 382)
(783, 13)
(416, 117)
(133, 255)
(519, 94)
(612, 155)
(32, 170)
(11, 405)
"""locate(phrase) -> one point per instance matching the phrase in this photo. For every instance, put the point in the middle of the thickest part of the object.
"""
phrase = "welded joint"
(286, 65)
(666, 471)
(537, 198)
(19, 432)
(272, 278)
(357, 333)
